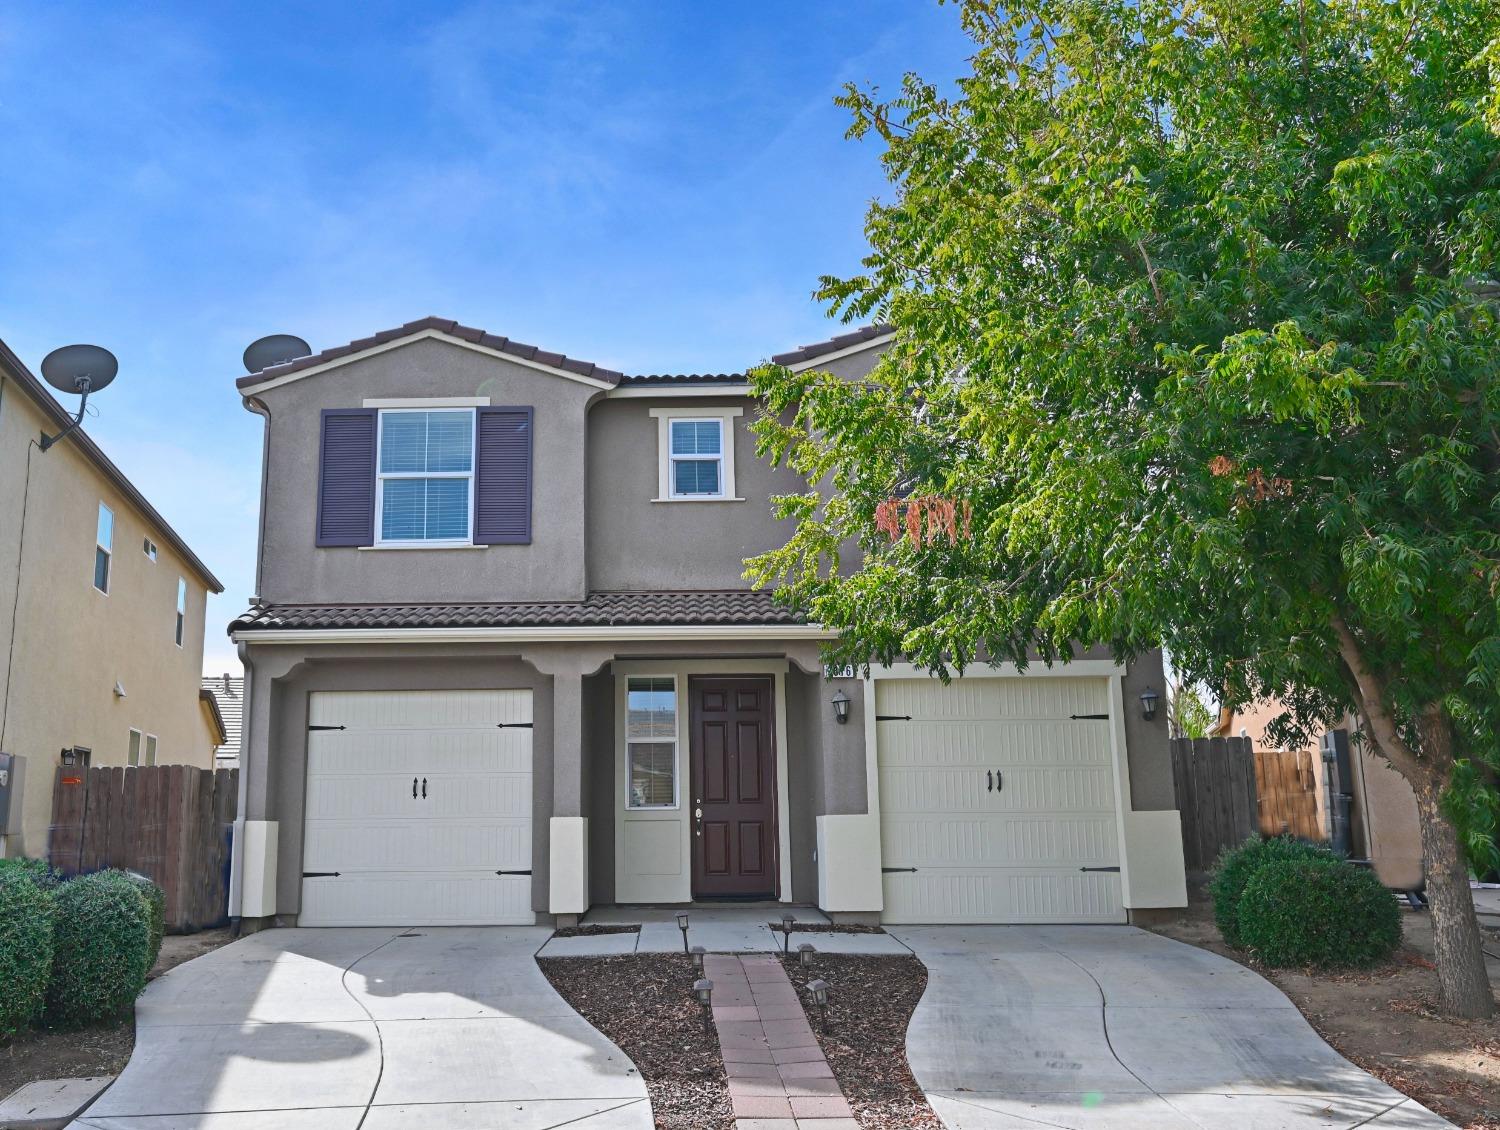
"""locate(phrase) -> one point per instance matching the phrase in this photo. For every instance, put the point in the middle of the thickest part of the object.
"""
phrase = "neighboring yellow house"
(101, 613)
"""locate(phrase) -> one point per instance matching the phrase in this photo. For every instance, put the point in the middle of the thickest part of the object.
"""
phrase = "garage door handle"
(424, 788)
(989, 781)
(413, 788)
(999, 781)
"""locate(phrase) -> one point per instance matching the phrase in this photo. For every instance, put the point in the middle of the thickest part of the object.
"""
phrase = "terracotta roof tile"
(442, 325)
(599, 609)
(832, 345)
(679, 379)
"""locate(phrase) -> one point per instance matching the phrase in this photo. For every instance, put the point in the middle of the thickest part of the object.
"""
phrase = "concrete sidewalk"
(1088, 1027)
(728, 929)
(448, 1028)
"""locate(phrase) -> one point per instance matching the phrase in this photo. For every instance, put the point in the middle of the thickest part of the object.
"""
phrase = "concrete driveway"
(1088, 1027)
(450, 1028)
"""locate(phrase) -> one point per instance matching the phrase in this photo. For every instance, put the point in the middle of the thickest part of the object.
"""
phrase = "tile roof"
(832, 345)
(228, 693)
(442, 325)
(679, 379)
(599, 609)
(11, 366)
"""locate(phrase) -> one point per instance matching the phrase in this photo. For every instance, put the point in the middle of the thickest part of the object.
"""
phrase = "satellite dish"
(79, 368)
(276, 349)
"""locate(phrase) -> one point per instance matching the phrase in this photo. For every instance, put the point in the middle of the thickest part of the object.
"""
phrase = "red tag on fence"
(72, 780)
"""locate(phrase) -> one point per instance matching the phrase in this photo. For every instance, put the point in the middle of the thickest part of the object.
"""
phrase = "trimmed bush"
(1322, 912)
(36, 869)
(1237, 865)
(103, 945)
(156, 910)
(25, 949)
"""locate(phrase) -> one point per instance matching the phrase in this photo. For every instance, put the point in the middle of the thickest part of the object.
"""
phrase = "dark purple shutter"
(346, 477)
(502, 492)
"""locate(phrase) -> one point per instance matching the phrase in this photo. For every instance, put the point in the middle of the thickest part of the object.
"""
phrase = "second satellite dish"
(275, 349)
(79, 368)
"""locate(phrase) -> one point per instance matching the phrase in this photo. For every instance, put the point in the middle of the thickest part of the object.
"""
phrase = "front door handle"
(697, 821)
(413, 788)
(424, 788)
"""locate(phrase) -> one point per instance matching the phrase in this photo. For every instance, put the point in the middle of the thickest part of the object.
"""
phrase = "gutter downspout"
(237, 848)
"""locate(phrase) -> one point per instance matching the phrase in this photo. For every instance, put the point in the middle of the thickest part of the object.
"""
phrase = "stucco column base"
(569, 865)
(258, 869)
(849, 864)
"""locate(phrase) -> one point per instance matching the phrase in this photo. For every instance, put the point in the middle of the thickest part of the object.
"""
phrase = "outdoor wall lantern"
(840, 707)
(787, 922)
(76, 755)
(703, 989)
(1148, 703)
(682, 924)
(819, 991)
(805, 954)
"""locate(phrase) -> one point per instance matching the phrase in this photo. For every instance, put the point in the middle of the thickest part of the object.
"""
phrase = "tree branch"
(1369, 688)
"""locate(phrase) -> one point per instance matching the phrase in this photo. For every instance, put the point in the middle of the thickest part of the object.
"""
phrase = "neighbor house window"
(181, 609)
(133, 752)
(651, 742)
(104, 546)
(696, 454)
(425, 481)
(150, 756)
(148, 547)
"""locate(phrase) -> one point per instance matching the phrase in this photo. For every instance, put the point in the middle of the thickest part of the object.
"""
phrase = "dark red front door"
(733, 750)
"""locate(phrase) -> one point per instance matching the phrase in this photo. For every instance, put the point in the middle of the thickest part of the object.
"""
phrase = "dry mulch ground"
(45, 1053)
(871, 1000)
(1387, 1020)
(644, 1003)
(593, 930)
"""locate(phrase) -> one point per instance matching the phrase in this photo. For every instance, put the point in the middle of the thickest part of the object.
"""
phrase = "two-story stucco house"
(101, 614)
(503, 666)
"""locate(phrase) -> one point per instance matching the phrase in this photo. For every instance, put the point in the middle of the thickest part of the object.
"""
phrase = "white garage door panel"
(1007, 847)
(430, 858)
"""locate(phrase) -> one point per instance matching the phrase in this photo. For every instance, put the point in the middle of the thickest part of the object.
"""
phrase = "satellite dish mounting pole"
(83, 391)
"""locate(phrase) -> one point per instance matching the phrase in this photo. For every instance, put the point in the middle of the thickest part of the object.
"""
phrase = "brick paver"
(778, 1076)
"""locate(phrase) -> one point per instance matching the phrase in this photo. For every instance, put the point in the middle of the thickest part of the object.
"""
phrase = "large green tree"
(1195, 313)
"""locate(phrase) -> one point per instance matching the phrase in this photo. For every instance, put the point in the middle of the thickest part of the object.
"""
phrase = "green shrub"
(37, 870)
(156, 911)
(25, 949)
(1323, 912)
(1237, 865)
(103, 946)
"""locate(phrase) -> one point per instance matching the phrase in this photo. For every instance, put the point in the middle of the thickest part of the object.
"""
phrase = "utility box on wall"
(12, 775)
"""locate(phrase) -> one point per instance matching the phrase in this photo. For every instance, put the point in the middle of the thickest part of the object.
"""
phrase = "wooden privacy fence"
(169, 822)
(1226, 791)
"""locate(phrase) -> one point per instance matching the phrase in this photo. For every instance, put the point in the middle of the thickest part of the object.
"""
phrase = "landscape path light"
(819, 991)
(697, 954)
(682, 924)
(703, 989)
(787, 922)
(805, 954)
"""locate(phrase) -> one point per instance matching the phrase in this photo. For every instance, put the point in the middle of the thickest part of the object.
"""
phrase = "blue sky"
(655, 187)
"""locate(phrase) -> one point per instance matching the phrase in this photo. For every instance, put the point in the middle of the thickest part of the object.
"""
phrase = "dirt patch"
(644, 1003)
(593, 931)
(1387, 1020)
(871, 1000)
(829, 928)
(45, 1053)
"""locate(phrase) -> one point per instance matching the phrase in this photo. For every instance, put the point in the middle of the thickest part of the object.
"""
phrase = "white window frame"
(677, 686)
(133, 757)
(109, 551)
(470, 475)
(725, 418)
(148, 750)
(148, 547)
(180, 629)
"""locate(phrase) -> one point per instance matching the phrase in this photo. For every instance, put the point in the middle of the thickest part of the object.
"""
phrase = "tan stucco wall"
(72, 643)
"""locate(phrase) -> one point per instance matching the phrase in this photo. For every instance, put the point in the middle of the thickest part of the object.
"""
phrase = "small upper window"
(697, 458)
(133, 752)
(148, 547)
(181, 609)
(150, 755)
(104, 545)
(426, 475)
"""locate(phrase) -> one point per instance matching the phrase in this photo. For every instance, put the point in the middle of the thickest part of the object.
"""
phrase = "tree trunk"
(1455, 930)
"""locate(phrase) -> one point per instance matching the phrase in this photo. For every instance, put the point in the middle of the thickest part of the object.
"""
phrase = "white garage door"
(995, 804)
(418, 809)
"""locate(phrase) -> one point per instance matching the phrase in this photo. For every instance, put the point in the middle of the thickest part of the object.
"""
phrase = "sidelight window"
(651, 742)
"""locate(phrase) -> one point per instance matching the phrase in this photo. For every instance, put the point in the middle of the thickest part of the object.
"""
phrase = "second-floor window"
(425, 476)
(104, 547)
(181, 610)
(697, 458)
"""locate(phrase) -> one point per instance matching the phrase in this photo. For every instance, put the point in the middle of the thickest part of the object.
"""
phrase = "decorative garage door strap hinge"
(1089, 717)
(320, 874)
(894, 870)
(1116, 869)
(512, 872)
(325, 727)
(893, 717)
(513, 725)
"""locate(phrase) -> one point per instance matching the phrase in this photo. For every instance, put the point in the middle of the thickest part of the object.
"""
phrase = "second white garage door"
(418, 809)
(996, 805)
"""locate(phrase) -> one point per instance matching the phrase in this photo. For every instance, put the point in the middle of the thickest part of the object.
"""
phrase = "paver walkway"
(778, 1078)
(1114, 1028)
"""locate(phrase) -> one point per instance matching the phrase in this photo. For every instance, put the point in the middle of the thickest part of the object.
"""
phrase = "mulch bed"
(871, 1000)
(644, 1003)
(829, 928)
(593, 931)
